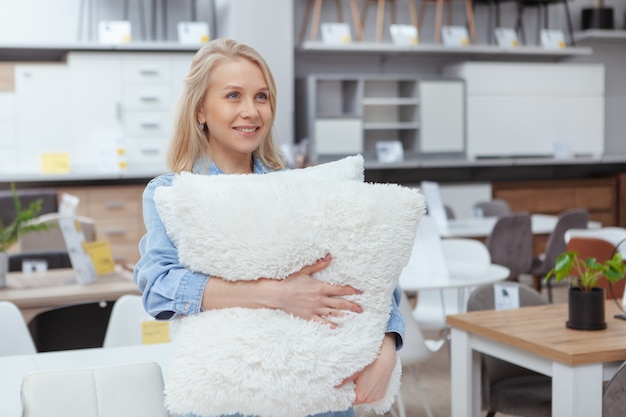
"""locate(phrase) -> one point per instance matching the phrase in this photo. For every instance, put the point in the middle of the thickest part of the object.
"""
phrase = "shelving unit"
(350, 114)
(617, 36)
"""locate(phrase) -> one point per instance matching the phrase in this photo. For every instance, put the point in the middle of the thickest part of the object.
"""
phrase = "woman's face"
(236, 110)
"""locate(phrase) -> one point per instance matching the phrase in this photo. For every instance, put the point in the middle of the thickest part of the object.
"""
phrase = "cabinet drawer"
(147, 71)
(146, 151)
(115, 203)
(595, 198)
(147, 97)
(147, 124)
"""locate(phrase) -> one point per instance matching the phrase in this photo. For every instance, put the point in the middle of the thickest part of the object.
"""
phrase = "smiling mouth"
(246, 130)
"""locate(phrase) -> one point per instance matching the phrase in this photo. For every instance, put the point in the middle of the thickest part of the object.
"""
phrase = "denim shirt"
(168, 288)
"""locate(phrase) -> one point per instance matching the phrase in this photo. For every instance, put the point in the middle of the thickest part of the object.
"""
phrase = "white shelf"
(391, 101)
(617, 36)
(470, 50)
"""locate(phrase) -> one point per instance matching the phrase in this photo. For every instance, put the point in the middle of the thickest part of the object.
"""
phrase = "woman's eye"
(262, 96)
(233, 95)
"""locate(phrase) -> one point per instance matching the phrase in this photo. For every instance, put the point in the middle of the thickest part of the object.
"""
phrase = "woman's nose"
(248, 109)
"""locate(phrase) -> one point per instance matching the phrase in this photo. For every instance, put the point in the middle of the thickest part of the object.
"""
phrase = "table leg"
(576, 390)
(465, 376)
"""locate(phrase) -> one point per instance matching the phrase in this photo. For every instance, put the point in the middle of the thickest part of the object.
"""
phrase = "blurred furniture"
(542, 21)
(37, 292)
(76, 326)
(441, 271)
(598, 195)
(14, 368)
(380, 15)
(508, 388)
(125, 323)
(316, 6)
(493, 208)
(613, 404)
(416, 350)
(493, 21)
(142, 17)
(532, 337)
(542, 264)
(449, 212)
(48, 196)
(614, 235)
(16, 338)
(469, 13)
(601, 250)
(510, 244)
(117, 391)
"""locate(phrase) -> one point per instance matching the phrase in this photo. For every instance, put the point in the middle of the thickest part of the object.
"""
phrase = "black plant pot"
(586, 309)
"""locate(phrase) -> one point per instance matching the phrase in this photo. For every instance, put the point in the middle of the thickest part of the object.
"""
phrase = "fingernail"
(359, 292)
(326, 257)
(359, 310)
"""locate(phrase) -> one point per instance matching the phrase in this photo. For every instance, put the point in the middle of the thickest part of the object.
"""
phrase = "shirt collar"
(200, 167)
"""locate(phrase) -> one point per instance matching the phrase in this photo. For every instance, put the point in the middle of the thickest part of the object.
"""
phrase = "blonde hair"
(190, 141)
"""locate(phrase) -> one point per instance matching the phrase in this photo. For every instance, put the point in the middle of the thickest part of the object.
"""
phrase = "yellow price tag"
(55, 163)
(101, 256)
(155, 331)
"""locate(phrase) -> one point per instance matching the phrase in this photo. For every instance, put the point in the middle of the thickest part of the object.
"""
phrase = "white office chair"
(16, 339)
(125, 324)
(415, 351)
(122, 391)
(428, 260)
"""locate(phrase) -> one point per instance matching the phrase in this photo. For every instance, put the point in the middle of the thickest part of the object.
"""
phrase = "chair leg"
(357, 20)
(420, 17)
(380, 20)
(470, 20)
(316, 19)
(438, 21)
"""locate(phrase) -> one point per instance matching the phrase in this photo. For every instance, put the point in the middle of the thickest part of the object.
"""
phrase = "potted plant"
(586, 301)
(21, 224)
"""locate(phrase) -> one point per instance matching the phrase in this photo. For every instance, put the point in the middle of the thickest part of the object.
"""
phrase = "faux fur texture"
(266, 362)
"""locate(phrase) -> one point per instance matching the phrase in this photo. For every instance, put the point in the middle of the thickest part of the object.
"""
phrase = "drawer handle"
(150, 72)
(150, 151)
(150, 125)
(149, 99)
(114, 204)
(115, 232)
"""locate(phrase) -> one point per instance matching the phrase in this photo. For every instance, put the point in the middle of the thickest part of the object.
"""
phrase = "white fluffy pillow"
(240, 227)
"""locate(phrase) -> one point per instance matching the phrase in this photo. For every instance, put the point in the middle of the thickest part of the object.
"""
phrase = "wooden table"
(536, 338)
(37, 291)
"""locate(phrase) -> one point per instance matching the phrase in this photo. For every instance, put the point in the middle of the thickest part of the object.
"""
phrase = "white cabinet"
(350, 114)
(95, 102)
(522, 109)
(41, 113)
(127, 98)
(7, 131)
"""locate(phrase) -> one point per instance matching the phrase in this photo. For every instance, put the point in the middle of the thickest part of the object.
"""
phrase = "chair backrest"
(75, 326)
(125, 323)
(556, 245)
(601, 250)
(493, 208)
(16, 339)
(613, 404)
(465, 256)
(482, 298)
(510, 243)
(613, 234)
(121, 391)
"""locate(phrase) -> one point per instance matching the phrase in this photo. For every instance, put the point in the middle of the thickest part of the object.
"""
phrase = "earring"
(201, 126)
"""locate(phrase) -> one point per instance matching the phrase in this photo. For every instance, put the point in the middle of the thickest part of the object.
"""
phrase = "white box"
(338, 136)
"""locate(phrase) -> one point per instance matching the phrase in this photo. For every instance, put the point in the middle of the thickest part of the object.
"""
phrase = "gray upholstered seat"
(508, 388)
(510, 244)
(614, 396)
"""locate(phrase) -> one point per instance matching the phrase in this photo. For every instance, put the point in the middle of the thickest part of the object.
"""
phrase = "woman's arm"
(170, 289)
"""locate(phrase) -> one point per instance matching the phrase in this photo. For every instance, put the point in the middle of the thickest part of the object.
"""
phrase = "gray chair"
(568, 219)
(508, 388)
(510, 244)
(614, 396)
(493, 208)
(48, 197)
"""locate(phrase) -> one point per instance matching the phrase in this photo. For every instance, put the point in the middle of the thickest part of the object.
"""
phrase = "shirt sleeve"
(396, 323)
(168, 288)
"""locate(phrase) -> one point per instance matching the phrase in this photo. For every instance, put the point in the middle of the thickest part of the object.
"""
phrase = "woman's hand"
(310, 299)
(372, 382)
(298, 294)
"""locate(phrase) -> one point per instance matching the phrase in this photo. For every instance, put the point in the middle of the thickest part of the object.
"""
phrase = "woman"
(224, 124)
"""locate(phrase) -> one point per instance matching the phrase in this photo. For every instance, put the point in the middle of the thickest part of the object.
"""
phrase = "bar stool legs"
(316, 6)
(469, 11)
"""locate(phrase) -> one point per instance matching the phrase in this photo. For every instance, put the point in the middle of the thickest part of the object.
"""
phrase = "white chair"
(16, 339)
(125, 324)
(415, 351)
(121, 391)
(427, 262)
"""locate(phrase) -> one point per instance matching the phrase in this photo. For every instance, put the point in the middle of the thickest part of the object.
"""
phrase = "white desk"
(535, 338)
(541, 224)
(13, 368)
